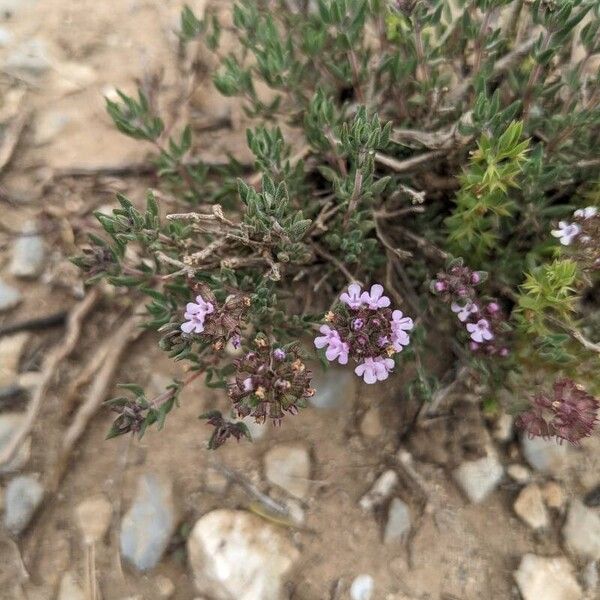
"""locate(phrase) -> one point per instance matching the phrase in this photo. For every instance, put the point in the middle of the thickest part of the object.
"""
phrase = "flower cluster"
(457, 282)
(569, 414)
(583, 236)
(218, 322)
(363, 327)
(270, 381)
(484, 321)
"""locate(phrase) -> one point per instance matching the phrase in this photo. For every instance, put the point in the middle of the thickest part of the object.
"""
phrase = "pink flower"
(374, 369)
(352, 297)
(195, 313)
(464, 312)
(336, 348)
(375, 299)
(566, 232)
(480, 331)
(400, 322)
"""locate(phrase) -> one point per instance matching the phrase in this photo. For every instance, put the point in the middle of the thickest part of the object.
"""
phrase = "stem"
(354, 199)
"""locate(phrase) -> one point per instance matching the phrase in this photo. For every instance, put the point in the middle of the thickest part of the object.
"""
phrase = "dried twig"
(332, 259)
(49, 368)
(36, 323)
(409, 164)
(117, 343)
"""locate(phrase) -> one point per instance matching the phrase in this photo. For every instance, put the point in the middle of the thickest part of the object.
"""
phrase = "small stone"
(236, 555)
(334, 388)
(28, 254)
(529, 506)
(147, 527)
(288, 466)
(48, 125)
(545, 456)
(554, 495)
(30, 59)
(23, 496)
(370, 425)
(479, 478)
(11, 349)
(5, 37)
(380, 491)
(9, 424)
(94, 515)
(582, 530)
(9, 296)
(503, 428)
(166, 588)
(70, 589)
(362, 588)
(215, 482)
(518, 473)
(542, 578)
(398, 522)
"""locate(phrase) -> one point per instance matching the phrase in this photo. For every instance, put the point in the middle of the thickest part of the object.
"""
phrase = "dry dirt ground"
(457, 550)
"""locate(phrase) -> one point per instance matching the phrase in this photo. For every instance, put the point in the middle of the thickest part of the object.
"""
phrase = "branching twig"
(408, 164)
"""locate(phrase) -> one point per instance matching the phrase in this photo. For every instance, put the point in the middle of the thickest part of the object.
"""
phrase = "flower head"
(370, 333)
(586, 213)
(195, 313)
(269, 382)
(374, 369)
(463, 312)
(375, 299)
(570, 413)
(480, 331)
(353, 296)
(566, 232)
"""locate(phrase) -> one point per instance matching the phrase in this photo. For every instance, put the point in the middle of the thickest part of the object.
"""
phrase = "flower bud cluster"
(570, 413)
(269, 382)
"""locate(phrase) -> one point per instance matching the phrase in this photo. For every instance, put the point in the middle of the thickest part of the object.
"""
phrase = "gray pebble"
(23, 496)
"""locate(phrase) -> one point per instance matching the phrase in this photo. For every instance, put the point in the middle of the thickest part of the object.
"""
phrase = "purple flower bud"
(462, 292)
(474, 346)
(493, 307)
(278, 354)
(475, 278)
(440, 286)
(236, 341)
(504, 352)
(357, 324)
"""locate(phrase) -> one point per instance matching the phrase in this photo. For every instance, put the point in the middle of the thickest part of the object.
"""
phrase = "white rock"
(554, 495)
(582, 530)
(29, 59)
(398, 521)
(545, 456)
(147, 527)
(6, 37)
(29, 254)
(362, 588)
(23, 496)
(11, 349)
(479, 478)
(9, 424)
(9, 296)
(503, 428)
(380, 491)
(518, 473)
(542, 578)
(48, 125)
(288, 466)
(529, 506)
(236, 555)
(94, 515)
(371, 425)
(70, 589)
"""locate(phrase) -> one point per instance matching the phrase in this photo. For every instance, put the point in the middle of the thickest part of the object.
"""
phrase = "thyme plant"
(442, 158)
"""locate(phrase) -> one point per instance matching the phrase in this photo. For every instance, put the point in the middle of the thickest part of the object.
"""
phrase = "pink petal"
(188, 327)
